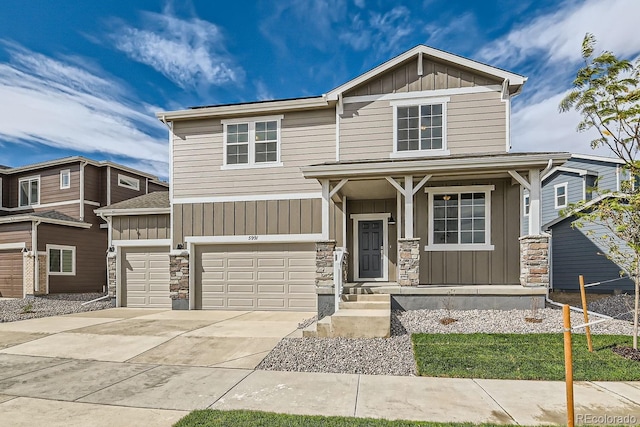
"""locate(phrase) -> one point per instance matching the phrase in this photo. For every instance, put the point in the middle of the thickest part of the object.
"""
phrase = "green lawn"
(212, 418)
(521, 357)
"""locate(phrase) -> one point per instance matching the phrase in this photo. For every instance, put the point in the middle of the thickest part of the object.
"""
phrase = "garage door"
(256, 277)
(11, 274)
(146, 278)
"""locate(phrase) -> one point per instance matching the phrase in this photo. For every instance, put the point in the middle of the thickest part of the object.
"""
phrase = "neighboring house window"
(460, 218)
(420, 127)
(526, 205)
(65, 179)
(589, 186)
(62, 260)
(252, 142)
(29, 191)
(560, 199)
(128, 182)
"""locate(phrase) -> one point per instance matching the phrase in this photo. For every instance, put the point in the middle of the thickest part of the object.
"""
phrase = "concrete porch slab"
(138, 326)
(70, 381)
(28, 412)
(171, 387)
(452, 400)
(209, 351)
(117, 313)
(246, 328)
(303, 393)
(11, 338)
(52, 325)
(109, 348)
(544, 402)
(12, 365)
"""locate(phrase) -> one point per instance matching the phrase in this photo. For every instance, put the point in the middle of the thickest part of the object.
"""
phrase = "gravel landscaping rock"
(49, 305)
(617, 306)
(394, 355)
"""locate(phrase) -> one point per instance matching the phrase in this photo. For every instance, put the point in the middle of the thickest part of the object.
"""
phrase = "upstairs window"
(420, 128)
(29, 191)
(252, 143)
(560, 193)
(65, 179)
(128, 182)
(589, 186)
(526, 204)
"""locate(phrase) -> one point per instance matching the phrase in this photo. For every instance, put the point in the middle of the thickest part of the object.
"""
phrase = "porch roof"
(461, 163)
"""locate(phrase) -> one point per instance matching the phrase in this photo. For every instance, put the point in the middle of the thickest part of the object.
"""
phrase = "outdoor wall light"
(391, 221)
(179, 246)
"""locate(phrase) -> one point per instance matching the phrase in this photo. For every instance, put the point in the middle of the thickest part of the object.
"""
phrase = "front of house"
(406, 168)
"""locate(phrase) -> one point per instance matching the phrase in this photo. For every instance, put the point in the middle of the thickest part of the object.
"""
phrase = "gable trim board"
(426, 94)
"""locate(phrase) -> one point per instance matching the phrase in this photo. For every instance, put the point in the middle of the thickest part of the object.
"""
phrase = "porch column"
(535, 207)
(325, 209)
(408, 207)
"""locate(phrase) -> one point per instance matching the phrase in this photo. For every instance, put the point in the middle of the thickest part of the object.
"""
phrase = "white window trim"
(566, 195)
(251, 121)
(62, 174)
(384, 217)
(525, 201)
(73, 260)
(487, 189)
(31, 178)
(129, 182)
(420, 101)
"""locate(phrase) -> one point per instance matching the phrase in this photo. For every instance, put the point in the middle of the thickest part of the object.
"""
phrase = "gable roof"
(152, 203)
(584, 207)
(515, 80)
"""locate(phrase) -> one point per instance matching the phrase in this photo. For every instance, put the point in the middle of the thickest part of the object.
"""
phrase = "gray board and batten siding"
(575, 252)
(141, 227)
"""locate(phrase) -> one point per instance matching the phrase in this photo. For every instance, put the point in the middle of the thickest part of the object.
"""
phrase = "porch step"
(359, 316)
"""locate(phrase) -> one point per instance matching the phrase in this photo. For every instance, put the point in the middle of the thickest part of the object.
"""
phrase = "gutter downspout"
(34, 249)
(82, 165)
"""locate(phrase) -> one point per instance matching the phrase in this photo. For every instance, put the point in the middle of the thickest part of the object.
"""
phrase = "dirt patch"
(627, 353)
(574, 299)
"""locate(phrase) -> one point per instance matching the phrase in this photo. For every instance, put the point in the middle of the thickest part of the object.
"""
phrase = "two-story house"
(576, 250)
(407, 168)
(51, 240)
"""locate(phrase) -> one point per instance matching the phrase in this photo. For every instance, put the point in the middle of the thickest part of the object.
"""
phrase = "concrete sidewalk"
(120, 379)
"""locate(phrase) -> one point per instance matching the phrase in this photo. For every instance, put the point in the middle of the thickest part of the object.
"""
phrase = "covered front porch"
(426, 230)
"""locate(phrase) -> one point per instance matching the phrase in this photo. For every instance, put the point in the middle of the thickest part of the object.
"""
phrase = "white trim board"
(9, 246)
(246, 198)
(141, 243)
(51, 205)
(424, 94)
(384, 217)
(255, 238)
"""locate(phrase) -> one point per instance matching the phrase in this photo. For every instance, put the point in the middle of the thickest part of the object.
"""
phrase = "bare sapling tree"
(606, 93)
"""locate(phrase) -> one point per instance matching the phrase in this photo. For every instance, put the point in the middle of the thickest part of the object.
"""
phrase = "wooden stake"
(583, 294)
(568, 364)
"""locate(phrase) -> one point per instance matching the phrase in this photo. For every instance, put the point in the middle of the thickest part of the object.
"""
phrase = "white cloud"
(189, 52)
(62, 105)
(262, 91)
(383, 32)
(558, 36)
(360, 3)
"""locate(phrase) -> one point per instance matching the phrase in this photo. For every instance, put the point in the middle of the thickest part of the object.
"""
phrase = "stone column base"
(534, 261)
(179, 279)
(112, 276)
(409, 262)
(324, 263)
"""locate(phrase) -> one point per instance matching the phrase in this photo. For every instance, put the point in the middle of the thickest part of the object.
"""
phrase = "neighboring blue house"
(573, 252)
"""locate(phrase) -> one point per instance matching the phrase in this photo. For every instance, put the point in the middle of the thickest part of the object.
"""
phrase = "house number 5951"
(253, 237)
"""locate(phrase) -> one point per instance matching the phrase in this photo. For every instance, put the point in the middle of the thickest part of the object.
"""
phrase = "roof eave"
(34, 218)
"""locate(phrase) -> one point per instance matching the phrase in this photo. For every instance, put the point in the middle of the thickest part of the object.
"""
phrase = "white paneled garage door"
(145, 281)
(256, 277)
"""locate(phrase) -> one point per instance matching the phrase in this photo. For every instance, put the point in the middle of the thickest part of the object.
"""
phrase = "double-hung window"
(560, 195)
(526, 204)
(459, 218)
(62, 260)
(65, 179)
(29, 191)
(252, 142)
(420, 127)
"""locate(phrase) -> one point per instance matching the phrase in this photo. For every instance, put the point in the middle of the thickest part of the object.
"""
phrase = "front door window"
(370, 248)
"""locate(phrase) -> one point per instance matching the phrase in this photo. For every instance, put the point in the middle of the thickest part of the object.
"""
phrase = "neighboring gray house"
(573, 251)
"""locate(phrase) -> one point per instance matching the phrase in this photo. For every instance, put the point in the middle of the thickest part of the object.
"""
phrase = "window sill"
(35, 205)
(54, 273)
(419, 153)
(461, 247)
(255, 166)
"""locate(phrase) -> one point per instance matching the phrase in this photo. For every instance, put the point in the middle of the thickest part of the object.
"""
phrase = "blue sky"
(84, 77)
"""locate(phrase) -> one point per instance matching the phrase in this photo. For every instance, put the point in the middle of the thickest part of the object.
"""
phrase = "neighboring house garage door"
(145, 281)
(256, 277)
(11, 274)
